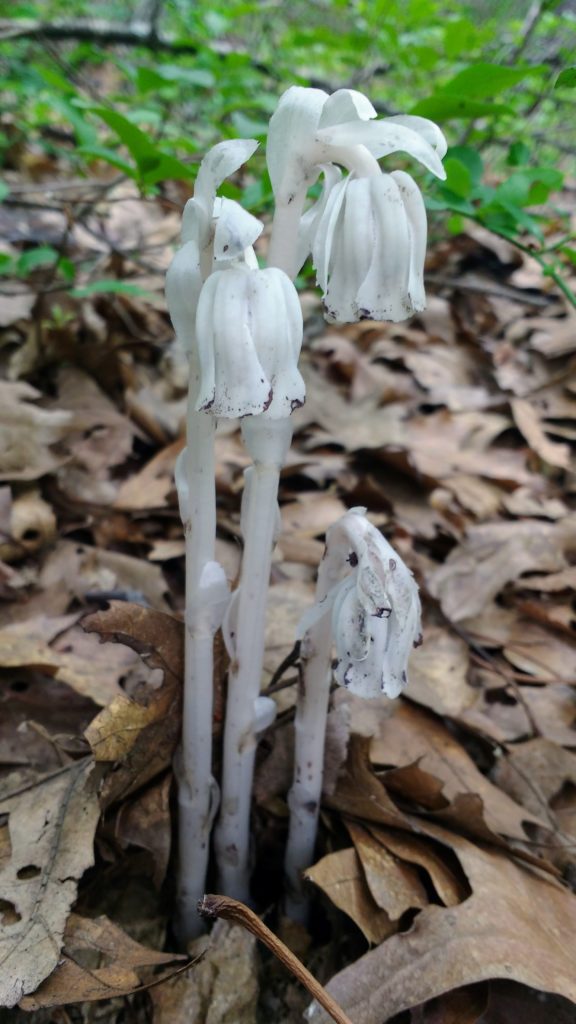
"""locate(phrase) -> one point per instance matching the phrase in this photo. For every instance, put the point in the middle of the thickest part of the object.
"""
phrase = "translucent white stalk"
(283, 247)
(309, 739)
(367, 606)
(206, 599)
(268, 441)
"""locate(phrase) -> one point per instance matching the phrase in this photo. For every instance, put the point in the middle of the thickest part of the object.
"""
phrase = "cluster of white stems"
(242, 328)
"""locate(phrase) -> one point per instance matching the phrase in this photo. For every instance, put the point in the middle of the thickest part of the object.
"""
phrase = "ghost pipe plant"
(215, 234)
(367, 232)
(242, 328)
(368, 608)
(273, 317)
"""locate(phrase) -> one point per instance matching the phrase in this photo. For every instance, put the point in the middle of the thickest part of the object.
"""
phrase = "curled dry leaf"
(139, 736)
(27, 433)
(51, 828)
(493, 555)
(413, 738)
(341, 878)
(99, 961)
(529, 424)
(394, 885)
(90, 670)
(515, 925)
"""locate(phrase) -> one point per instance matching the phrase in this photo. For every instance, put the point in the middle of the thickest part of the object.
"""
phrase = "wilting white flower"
(367, 233)
(215, 232)
(375, 609)
(249, 330)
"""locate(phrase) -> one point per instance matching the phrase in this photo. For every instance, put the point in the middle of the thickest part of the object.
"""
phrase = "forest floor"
(448, 832)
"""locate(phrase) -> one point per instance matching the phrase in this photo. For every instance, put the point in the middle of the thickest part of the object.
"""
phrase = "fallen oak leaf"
(494, 554)
(341, 877)
(514, 926)
(117, 959)
(51, 832)
(139, 736)
(394, 885)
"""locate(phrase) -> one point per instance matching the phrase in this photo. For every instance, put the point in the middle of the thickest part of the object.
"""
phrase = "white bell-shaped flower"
(375, 609)
(369, 249)
(215, 232)
(249, 330)
(367, 233)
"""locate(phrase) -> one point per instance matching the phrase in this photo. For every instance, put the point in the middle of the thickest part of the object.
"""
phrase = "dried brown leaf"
(515, 925)
(51, 830)
(27, 433)
(394, 885)
(140, 737)
(341, 878)
(99, 962)
(493, 555)
(529, 424)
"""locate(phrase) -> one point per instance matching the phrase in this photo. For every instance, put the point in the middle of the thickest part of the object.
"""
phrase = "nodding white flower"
(249, 330)
(375, 609)
(215, 233)
(369, 249)
(367, 233)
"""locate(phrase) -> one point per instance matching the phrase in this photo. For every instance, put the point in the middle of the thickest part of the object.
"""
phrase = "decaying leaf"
(516, 925)
(91, 671)
(341, 878)
(494, 554)
(99, 961)
(139, 735)
(27, 433)
(394, 885)
(51, 831)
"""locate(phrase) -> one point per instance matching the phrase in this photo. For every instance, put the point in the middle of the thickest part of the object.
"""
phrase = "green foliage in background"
(500, 79)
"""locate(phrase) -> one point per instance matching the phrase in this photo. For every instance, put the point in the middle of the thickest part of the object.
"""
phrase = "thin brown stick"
(212, 907)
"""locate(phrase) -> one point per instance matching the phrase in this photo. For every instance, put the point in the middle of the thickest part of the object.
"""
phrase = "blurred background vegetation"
(117, 90)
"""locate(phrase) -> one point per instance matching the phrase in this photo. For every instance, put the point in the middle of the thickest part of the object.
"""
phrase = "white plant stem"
(309, 740)
(268, 442)
(310, 725)
(283, 247)
(206, 594)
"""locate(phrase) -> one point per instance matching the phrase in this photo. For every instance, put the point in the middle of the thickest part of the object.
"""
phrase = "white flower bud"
(375, 610)
(249, 330)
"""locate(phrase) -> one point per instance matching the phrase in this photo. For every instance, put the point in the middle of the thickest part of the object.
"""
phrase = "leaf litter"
(444, 881)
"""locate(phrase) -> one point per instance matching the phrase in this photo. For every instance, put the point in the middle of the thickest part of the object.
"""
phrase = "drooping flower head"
(374, 608)
(367, 233)
(241, 326)
(249, 328)
(215, 232)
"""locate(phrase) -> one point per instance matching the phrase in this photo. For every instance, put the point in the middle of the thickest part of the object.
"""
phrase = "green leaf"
(444, 106)
(482, 80)
(518, 154)
(110, 157)
(137, 143)
(43, 256)
(4, 190)
(458, 177)
(566, 79)
(104, 287)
